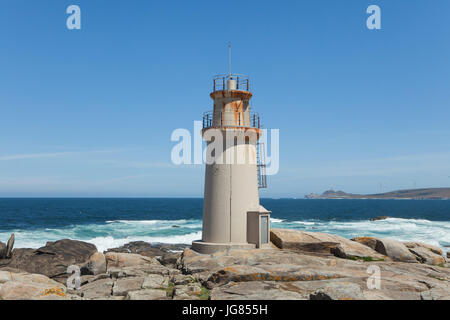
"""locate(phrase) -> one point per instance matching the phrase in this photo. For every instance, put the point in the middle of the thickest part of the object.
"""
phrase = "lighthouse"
(235, 171)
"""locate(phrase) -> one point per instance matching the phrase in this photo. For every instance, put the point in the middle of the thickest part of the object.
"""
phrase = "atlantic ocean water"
(109, 223)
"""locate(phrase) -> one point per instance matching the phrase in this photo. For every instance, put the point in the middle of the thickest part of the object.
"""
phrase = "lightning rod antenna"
(229, 58)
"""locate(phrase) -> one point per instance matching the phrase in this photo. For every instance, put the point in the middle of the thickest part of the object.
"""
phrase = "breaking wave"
(114, 233)
(432, 232)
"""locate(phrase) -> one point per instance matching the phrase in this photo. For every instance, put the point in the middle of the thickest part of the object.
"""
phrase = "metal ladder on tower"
(261, 165)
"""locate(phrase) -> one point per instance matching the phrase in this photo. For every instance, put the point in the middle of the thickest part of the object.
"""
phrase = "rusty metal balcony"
(220, 82)
(246, 119)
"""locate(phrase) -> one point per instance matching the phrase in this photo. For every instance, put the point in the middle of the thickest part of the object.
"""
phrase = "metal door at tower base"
(264, 229)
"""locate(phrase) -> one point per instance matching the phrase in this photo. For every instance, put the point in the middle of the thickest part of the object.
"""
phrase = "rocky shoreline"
(299, 265)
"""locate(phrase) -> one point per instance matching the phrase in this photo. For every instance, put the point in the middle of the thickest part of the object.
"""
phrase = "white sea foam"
(112, 233)
(103, 243)
(118, 232)
(151, 222)
(306, 223)
(432, 232)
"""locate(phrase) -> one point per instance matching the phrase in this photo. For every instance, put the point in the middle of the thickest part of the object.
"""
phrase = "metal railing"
(242, 82)
(261, 165)
(231, 119)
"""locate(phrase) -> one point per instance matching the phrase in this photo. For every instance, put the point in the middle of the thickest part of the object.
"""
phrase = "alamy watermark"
(374, 20)
(374, 280)
(74, 20)
(74, 280)
(227, 147)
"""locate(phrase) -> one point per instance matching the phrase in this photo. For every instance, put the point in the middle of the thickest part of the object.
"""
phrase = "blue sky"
(90, 112)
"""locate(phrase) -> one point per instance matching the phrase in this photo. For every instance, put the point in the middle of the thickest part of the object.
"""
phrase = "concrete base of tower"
(209, 247)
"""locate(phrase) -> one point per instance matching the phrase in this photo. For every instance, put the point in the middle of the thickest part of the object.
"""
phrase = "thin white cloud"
(48, 155)
(34, 156)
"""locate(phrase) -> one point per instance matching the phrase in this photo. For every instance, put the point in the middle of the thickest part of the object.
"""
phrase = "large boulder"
(95, 266)
(394, 249)
(320, 243)
(371, 242)
(52, 260)
(25, 286)
(426, 253)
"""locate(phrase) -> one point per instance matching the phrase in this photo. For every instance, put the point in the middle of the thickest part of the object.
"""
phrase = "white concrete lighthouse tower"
(232, 214)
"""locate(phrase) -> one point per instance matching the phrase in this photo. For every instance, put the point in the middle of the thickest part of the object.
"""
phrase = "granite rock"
(318, 243)
(52, 260)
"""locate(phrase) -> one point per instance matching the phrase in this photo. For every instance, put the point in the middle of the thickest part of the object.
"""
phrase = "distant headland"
(416, 194)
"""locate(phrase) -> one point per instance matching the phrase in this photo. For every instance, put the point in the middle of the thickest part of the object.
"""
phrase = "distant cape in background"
(417, 194)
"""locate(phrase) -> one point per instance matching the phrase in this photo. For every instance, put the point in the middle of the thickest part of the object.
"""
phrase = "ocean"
(109, 223)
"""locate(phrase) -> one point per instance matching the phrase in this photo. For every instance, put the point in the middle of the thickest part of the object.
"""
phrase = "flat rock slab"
(338, 291)
(14, 290)
(142, 271)
(318, 242)
(155, 281)
(257, 290)
(147, 294)
(121, 260)
(122, 286)
(149, 249)
(97, 289)
(245, 273)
